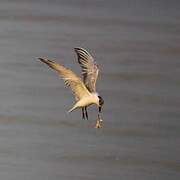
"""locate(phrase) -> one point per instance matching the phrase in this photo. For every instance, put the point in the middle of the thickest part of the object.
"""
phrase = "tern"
(84, 90)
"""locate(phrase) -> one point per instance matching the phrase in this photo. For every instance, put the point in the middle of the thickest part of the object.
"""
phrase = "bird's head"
(101, 102)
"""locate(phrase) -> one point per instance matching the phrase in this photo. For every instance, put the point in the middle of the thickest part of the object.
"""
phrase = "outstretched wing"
(71, 79)
(89, 68)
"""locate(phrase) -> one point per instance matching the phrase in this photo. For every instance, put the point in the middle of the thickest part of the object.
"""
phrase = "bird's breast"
(86, 101)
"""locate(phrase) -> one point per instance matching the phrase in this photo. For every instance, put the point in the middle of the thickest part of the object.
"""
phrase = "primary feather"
(89, 68)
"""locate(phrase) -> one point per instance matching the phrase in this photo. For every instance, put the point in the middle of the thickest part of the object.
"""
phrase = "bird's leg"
(86, 112)
(83, 116)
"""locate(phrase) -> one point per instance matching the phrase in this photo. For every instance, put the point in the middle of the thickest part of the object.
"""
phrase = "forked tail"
(72, 109)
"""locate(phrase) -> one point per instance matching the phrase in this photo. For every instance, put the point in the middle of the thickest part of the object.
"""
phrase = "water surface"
(136, 45)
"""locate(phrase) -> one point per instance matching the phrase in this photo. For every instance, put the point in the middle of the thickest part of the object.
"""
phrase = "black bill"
(100, 108)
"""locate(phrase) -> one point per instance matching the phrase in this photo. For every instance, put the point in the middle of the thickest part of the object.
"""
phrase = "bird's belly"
(85, 102)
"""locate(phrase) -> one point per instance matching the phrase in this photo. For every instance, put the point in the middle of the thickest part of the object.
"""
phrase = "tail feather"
(72, 109)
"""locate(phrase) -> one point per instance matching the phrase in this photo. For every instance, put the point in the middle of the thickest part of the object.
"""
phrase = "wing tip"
(44, 60)
(77, 49)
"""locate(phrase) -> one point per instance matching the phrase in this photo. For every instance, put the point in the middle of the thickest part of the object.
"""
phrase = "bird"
(84, 90)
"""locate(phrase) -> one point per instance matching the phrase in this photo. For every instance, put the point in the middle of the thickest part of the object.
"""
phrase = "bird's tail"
(72, 109)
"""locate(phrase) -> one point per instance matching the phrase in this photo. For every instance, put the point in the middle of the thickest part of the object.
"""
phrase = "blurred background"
(137, 46)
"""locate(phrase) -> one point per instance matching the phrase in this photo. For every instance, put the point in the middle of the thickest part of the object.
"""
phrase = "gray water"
(137, 46)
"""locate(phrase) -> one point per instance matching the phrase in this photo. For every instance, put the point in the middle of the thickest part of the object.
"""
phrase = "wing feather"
(89, 68)
(70, 78)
